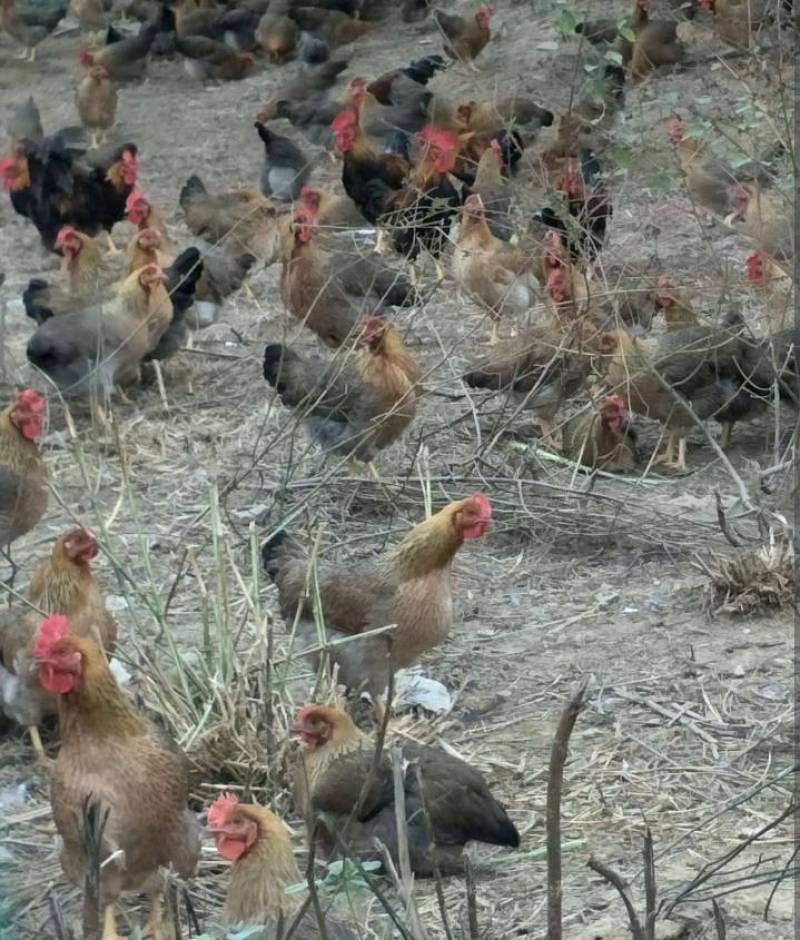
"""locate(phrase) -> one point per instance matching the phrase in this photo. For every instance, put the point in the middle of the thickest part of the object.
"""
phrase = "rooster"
(409, 585)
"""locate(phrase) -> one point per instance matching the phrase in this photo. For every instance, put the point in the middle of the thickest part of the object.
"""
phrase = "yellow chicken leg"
(380, 242)
(110, 925)
(373, 472)
(155, 922)
(38, 747)
(112, 248)
(379, 708)
(494, 336)
(668, 457)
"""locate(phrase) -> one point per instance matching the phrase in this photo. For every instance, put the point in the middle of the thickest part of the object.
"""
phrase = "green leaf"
(613, 56)
(566, 22)
(627, 33)
(588, 67)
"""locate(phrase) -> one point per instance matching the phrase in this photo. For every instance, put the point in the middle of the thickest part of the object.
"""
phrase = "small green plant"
(342, 875)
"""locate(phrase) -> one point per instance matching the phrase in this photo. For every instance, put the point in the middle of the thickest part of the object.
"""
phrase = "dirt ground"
(688, 725)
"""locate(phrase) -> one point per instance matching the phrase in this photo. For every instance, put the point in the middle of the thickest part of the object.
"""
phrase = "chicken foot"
(155, 926)
(112, 248)
(38, 747)
(549, 436)
(669, 458)
(110, 924)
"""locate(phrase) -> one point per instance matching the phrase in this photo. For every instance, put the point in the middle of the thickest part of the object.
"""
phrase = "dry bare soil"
(687, 715)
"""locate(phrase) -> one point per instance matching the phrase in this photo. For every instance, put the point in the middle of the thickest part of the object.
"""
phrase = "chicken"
(497, 275)
(408, 585)
(777, 288)
(23, 474)
(29, 26)
(589, 208)
(602, 438)
(93, 16)
(464, 37)
(126, 59)
(545, 365)
(447, 802)
(589, 125)
(412, 11)
(389, 127)
(693, 371)
(736, 20)
(97, 103)
(494, 191)
(243, 217)
(335, 27)
(356, 405)
(767, 218)
(324, 291)
(398, 85)
(656, 44)
(143, 214)
(60, 186)
(84, 271)
(509, 111)
(64, 583)
(333, 214)
(109, 753)
(309, 85)
(25, 125)
(277, 35)
(286, 168)
(90, 350)
(675, 308)
(209, 60)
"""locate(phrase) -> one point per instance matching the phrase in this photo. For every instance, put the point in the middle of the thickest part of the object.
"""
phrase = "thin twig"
(616, 881)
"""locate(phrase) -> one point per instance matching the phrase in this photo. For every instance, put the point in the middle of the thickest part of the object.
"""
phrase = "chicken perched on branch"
(496, 274)
(447, 802)
(409, 585)
(23, 474)
(263, 866)
(356, 407)
(111, 754)
(63, 583)
(602, 438)
(464, 37)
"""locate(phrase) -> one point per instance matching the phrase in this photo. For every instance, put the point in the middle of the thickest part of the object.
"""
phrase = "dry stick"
(719, 920)
(403, 856)
(650, 889)
(312, 886)
(472, 900)
(777, 883)
(614, 879)
(430, 841)
(558, 756)
(62, 932)
(93, 824)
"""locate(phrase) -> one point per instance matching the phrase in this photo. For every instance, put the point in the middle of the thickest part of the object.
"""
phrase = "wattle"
(230, 848)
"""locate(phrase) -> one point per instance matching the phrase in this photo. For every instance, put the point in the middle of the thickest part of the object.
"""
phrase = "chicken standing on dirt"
(64, 583)
(286, 168)
(97, 104)
(110, 754)
(23, 474)
(464, 36)
(29, 27)
(263, 867)
(602, 438)
(447, 802)
(656, 44)
(409, 585)
(359, 403)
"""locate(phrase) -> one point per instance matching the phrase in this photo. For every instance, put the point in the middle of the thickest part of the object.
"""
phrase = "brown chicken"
(766, 216)
(354, 406)
(88, 351)
(545, 365)
(464, 37)
(736, 20)
(776, 287)
(85, 271)
(674, 305)
(602, 438)
(656, 44)
(97, 104)
(496, 274)
(263, 866)
(208, 60)
(696, 371)
(111, 754)
(310, 83)
(23, 475)
(242, 216)
(335, 27)
(126, 59)
(447, 802)
(277, 35)
(64, 583)
(30, 26)
(408, 585)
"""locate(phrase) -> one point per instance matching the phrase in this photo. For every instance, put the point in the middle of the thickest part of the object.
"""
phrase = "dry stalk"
(616, 881)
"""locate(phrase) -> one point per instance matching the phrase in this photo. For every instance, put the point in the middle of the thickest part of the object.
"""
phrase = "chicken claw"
(380, 242)
(155, 922)
(110, 925)
(669, 458)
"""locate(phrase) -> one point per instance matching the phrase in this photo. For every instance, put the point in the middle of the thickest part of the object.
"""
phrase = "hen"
(63, 583)
(209, 60)
(409, 585)
(356, 405)
(23, 474)
(464, 37)
(447, 802)
(286, 168)
(110, 754)
(602, 438)
(30, 26)
(97, 104)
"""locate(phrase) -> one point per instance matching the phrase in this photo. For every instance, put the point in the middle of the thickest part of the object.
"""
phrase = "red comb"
(128, 157)
(51, 630)
(343, 121)
(133, 198)
(616, 400)
(32, 400)
(481, 503)
(64, 232)
(220, 809)
(439, 137)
